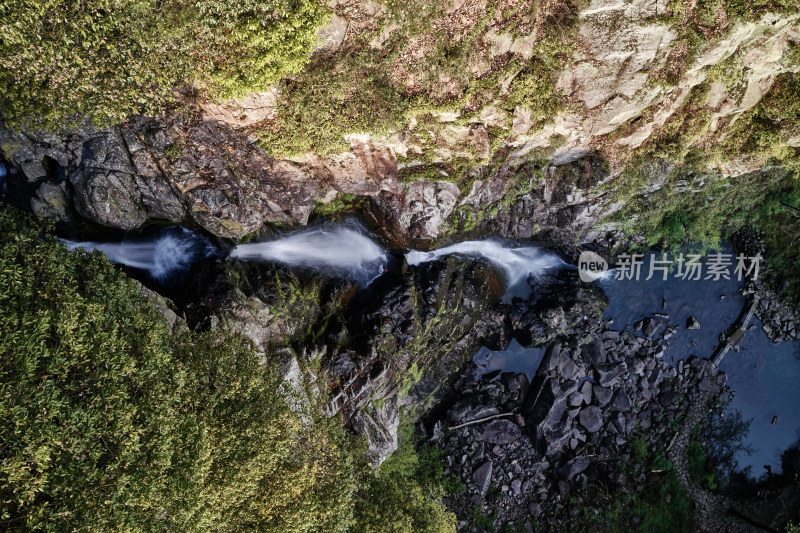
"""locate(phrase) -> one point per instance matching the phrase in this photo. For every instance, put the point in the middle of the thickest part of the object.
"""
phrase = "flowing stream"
(517, 264)
(763, 375)
(170, 252)
(339, 251)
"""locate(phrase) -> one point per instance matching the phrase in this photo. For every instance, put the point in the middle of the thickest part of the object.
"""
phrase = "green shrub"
(402, 496)
(483, 520)
(701, 468)
(431, 469)
(665, 508)
(334, 96)
(257, 42)
(394, 504)
(640, 448)
(110, 421)
(342, 203)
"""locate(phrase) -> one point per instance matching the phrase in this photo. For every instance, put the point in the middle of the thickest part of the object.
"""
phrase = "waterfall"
(173, 251)
(341, 252)
(516, 263)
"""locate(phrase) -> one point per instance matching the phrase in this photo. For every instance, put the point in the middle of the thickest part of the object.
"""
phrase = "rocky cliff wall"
(618, 75)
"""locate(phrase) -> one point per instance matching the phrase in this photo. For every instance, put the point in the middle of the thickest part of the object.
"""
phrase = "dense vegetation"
(661, 506)
(405, 494)
(63, 62)
(110, 420)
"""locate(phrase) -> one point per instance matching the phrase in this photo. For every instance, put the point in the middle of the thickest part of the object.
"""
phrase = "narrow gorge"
(469, 265)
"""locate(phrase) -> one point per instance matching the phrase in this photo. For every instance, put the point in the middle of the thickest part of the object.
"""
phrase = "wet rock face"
(206, 173)
(561, 201)
(190, 169)
(109, 177)
(179, 170)
(422, 207)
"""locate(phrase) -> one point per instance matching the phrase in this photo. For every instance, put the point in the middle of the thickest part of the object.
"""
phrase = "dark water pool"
(715, 304)
(515, 358)
(764, 376)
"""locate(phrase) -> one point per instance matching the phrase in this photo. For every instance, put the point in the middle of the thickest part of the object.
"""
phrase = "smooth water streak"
(171, 252)
(341, 251)
(516, 263)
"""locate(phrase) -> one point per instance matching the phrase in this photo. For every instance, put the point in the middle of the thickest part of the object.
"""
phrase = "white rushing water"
(516, 263)
(341, 251)
(169, 253)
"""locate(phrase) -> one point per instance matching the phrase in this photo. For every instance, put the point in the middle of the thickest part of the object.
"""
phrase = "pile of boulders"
(778, 318)
(522, 449)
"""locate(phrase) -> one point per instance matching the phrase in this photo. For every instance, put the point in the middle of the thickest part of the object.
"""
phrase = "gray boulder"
(501, 432)
(586, 391)
(591, 418)
(569, 470)
(621, 402)
(482, 477)
(595, 352)
(609, 374)
(602, 395)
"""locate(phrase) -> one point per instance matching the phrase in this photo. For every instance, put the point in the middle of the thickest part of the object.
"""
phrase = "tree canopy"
(63, 62)
(109, 421)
